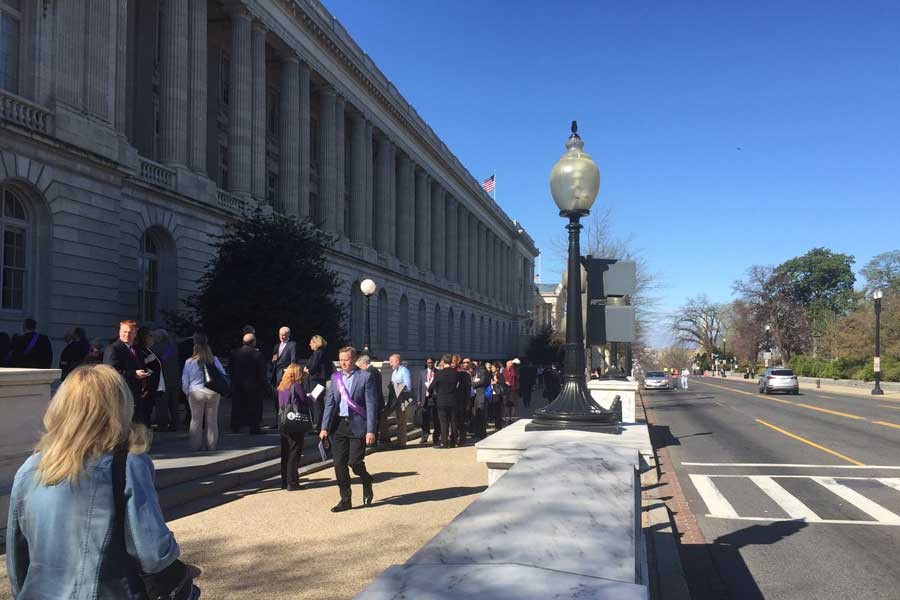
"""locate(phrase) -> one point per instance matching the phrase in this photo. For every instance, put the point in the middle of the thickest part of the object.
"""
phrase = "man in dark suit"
(365, 363)
(248, 385)
(122, 356)
(527, 378)
(283, 354)
(424, 393)
(31, 350)
(463, 400)
(351, 417)
(73, 354)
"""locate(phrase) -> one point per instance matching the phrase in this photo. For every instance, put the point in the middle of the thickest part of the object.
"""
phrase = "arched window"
(451, 334)
(463, 346)
(357, 315)
(423, 332)
(383, 343)
(156, 274)
(403, 325)
(436, 343)
(14, 262)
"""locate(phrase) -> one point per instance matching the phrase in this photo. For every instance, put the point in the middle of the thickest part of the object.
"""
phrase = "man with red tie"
(123, 357)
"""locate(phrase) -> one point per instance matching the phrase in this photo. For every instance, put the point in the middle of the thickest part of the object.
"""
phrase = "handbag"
(175, 582)
(215, 380)
(293, 417)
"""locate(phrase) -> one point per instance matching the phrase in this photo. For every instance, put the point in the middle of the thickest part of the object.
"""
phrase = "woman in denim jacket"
(61, 540)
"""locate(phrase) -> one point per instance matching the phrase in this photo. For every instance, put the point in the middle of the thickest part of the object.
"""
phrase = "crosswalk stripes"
(720, 507)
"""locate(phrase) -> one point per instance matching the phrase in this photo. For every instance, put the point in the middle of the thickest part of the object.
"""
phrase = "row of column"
(395, 206)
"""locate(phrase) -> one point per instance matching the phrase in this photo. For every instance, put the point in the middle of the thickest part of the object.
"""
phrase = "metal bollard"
(818, 384)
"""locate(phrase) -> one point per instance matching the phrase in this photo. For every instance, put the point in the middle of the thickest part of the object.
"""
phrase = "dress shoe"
(293, 487)
(368, 494)
(342, 506)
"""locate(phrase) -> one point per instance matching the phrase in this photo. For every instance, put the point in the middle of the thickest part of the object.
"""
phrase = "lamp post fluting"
(574, 183)
(368, 287)
(877, 391)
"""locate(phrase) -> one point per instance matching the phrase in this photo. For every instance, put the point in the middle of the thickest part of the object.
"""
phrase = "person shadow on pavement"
(431, 495)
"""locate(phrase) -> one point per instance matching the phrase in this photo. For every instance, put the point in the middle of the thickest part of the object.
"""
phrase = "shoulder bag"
(215, 380)
(294, 417)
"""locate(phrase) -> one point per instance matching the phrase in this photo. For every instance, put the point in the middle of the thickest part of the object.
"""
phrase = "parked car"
(657, 380)
(778, 379)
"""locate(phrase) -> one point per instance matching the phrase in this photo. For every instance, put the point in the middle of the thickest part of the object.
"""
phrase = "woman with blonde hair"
(293, 411)
(202, 367)
(319, 370)
(68, 525)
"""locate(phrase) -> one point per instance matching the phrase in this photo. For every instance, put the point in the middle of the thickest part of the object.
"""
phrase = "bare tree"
(699, 323)
(676, 357)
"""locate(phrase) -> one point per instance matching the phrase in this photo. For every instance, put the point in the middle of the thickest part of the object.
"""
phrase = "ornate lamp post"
(574, 183)
(768, 345)
(877, 295)
(368, 287)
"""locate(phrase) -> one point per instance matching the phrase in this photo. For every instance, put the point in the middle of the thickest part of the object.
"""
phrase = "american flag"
(488, 184)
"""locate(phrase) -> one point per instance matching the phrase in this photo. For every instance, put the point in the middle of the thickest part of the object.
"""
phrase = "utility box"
(607, 323)
(609, 277)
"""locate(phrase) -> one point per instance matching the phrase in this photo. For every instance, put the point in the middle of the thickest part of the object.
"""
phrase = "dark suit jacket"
(363, 392)
(119, 357)
(320, 368)
(480, 383)
(72, 356)
(284, 359)
(446, 382)
(248, 371)
(39, 357)
(464, 391)
(423, 394)
(379, 386)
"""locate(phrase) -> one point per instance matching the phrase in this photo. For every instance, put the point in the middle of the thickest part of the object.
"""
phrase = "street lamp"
(368, 287)
(574, 183)
(877, 295)
(768, 352)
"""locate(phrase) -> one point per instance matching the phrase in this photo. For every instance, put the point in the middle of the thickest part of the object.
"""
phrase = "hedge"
(807, 366)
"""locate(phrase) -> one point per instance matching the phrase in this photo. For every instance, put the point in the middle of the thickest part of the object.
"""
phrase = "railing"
(157, 174)
(22, 112)
(229, 201)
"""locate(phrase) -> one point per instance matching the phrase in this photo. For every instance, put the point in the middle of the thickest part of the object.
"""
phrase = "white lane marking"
(873, 509)
(893, 482)
(780, 476)
(790, 466)
(715, 501)
(823, 521)
(784, 499)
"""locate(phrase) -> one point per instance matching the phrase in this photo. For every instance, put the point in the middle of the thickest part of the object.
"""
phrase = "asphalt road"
(796, 496)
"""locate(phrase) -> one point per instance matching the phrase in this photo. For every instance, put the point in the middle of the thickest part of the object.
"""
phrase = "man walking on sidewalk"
(351, 411)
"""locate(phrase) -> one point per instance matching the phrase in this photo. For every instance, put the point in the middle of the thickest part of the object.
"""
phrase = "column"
(405, 210)
(327, 166)
(358, 178)
(476, 261)
(289, 138)
(197, 108)
(241, 104)
(392, 198)
(464, 254)
(173, 48)
(482, 251)
(423, 220)
(305, 152)
(340, 179)
(452, 265)
(258, 131)
(382, 193)
(100, 41)
(491, 265)
(438, 227)
(70, 52)
(370, 186)
(43, 38)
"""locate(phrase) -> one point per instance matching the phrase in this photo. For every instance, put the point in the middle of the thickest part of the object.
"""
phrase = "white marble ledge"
(17, 376)
(494, 582)
(514, 439)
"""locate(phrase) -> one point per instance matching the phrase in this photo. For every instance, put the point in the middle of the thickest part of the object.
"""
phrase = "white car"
(657, 380)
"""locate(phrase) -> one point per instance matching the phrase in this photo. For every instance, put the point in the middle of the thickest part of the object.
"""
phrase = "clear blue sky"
(727, 134)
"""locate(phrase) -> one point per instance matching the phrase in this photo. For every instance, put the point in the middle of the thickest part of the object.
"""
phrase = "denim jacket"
(60, 541)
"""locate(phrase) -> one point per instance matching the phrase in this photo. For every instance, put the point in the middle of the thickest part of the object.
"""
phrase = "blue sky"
(727, 134)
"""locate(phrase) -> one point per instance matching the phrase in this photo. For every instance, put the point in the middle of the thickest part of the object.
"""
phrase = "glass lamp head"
(575, 178)
(367, 287)
(877, 294)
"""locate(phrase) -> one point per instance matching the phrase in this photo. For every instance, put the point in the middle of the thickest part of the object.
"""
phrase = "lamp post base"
(574, 409)
(877, 391)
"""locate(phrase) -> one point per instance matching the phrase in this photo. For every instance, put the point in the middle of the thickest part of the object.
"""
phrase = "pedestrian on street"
(399, 396)
(424, 390)
(684, 379)
(382, 433)
(153, 386)
(248, 385)
(31, 349)
(122, 356)
(527, 377)
(446, 382)
(463, 400)
(480, 384)
(291, 392)
(203, 401)
(319, 369)
(74, 353)
(351, 412)
(283, 353)
(167, 402)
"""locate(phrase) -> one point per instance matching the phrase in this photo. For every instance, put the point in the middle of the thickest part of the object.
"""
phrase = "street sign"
(767, 355)
(878, 364)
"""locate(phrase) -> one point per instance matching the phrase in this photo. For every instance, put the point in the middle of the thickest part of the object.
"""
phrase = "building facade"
(549, 306)
(132, 130)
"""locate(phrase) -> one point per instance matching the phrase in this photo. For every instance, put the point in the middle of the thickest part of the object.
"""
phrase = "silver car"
(778, 379)
(656, 380)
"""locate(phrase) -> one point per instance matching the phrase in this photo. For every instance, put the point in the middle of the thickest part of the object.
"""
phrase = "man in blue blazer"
(350, 418)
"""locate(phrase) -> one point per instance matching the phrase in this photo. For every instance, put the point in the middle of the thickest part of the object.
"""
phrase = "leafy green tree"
(821, 281)
(269, 270)
(883, 272)
(544, 348)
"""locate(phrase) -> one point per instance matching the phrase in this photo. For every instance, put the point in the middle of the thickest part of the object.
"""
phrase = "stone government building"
(131, 130)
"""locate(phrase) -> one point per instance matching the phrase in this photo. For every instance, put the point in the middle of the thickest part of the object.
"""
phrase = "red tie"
(133, 352)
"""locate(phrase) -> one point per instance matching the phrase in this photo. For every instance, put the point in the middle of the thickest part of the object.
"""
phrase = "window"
(148, 274)
(273, 115)
(225, 78)
(15, 226)
(272, 188)
(10, 18)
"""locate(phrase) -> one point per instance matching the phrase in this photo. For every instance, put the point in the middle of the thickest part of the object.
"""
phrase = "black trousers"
(479, 429)
(348, 450)
(526, 394)
(427, 419)
(447, 417)
(461, 415)
(291, 451)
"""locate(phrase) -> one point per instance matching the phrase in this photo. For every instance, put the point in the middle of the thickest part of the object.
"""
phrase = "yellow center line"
(722, 387)
(887, 424)
(891, 407)
(833, 412)
(813, 444)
